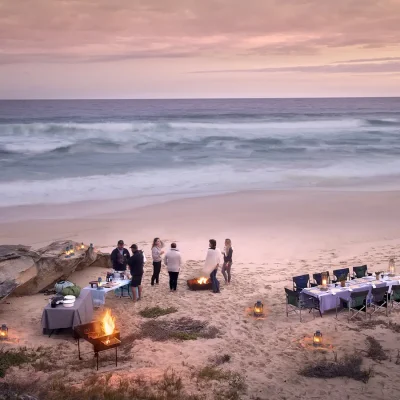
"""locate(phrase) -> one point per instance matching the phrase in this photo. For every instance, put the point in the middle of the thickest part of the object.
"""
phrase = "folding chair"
(357, 303)
(318, 278)
(379, 299)
(337, 273)
(361, 271)
(296, 302)
(301, 282)
(394, 296)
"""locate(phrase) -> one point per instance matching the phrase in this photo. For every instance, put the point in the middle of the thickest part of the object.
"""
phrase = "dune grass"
(155, 312)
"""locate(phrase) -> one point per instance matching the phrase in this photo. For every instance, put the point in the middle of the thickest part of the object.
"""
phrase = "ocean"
(64, 151)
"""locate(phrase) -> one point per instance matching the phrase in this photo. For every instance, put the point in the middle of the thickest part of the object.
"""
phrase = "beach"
(275, 235)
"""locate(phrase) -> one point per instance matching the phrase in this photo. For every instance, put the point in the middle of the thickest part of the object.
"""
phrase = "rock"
(24, 271)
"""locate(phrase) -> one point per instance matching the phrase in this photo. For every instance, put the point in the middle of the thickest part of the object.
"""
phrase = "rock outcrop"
(24, 271)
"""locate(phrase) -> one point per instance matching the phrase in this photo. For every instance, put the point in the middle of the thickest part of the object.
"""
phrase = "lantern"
(82, 247)
(258, 309)
(4, 332)
(67, 252)
(71, 250)
(324, 279)
(392, 267)
(317, 339)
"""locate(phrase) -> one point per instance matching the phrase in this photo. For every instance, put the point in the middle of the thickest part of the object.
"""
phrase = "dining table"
(119, 286)
(328, 299)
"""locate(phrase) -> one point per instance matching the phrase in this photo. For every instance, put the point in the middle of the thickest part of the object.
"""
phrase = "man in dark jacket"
(120, 257)
(136, 263)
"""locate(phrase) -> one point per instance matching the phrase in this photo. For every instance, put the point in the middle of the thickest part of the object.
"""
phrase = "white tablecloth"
(328, 299)
(99, 295)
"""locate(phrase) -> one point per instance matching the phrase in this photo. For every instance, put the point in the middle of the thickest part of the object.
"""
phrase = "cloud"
(363, 60)
(126, 29)
(388, 67)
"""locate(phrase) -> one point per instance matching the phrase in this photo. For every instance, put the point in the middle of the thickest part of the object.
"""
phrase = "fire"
(108, 323)
(202, 281)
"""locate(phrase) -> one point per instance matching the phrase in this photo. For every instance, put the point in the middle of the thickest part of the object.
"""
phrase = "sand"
(275, 235)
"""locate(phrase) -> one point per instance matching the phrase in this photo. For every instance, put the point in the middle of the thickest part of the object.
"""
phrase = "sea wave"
(191, 181)
(109, 137)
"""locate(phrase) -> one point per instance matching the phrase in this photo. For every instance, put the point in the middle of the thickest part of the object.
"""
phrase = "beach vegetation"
(349, 366)
(182, 329)
(236, 383)
(22, 355)
(155, 312)
(225, 358)
(99, 387)
(375, 350)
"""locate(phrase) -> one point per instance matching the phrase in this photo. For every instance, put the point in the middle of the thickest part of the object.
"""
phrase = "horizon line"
(199, 98)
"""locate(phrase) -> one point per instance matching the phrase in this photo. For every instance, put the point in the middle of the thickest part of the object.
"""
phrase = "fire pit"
(101, 334)
(200, 284)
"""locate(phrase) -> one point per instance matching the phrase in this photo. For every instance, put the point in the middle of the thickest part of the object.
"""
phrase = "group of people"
(122, 260)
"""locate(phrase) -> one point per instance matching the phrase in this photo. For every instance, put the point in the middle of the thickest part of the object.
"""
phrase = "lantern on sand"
(258, 309)
(82, 246)
(392, 267)
(317, 339)
(4, 332)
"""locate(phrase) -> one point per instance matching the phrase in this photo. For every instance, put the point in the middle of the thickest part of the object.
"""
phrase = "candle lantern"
(82, 246)
(67, 252)
(392, 267)
(4, 332)
(317, 339)
(71, 250)
(324, 279)
(258, 309)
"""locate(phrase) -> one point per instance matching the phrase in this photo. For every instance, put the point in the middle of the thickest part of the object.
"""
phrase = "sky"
(199, 48)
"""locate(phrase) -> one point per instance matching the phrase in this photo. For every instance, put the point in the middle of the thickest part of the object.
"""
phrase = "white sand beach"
(275, 235)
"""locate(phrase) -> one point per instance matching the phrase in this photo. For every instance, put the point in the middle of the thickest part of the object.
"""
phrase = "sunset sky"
(199, 48)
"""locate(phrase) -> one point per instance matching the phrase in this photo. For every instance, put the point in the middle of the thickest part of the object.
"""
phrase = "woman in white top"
(213, 259)
(156, 252)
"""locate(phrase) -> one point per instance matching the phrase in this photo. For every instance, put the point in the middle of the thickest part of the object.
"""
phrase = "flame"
(108, 323)
(2, 334)
(201, 281)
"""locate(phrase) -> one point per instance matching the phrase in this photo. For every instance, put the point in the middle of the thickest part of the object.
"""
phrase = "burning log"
(103, 335)
(201, 283)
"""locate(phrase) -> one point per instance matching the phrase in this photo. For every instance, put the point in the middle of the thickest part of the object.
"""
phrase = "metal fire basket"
(94, 334)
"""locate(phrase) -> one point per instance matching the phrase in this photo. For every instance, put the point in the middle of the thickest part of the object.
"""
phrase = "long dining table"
(329, 299)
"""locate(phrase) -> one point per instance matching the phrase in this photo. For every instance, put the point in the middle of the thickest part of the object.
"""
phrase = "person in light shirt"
(173, 262)
(213, 260)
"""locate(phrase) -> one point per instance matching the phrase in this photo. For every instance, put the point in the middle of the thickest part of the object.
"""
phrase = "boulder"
(24, 271)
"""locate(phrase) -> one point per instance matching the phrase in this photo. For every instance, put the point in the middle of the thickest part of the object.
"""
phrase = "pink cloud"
(90, 30)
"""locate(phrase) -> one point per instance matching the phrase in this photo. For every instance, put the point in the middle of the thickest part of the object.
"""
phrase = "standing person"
(156, 252)
(173, 261)
(120, 257)
(226, 268)
(136, 263)
(213, 259)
